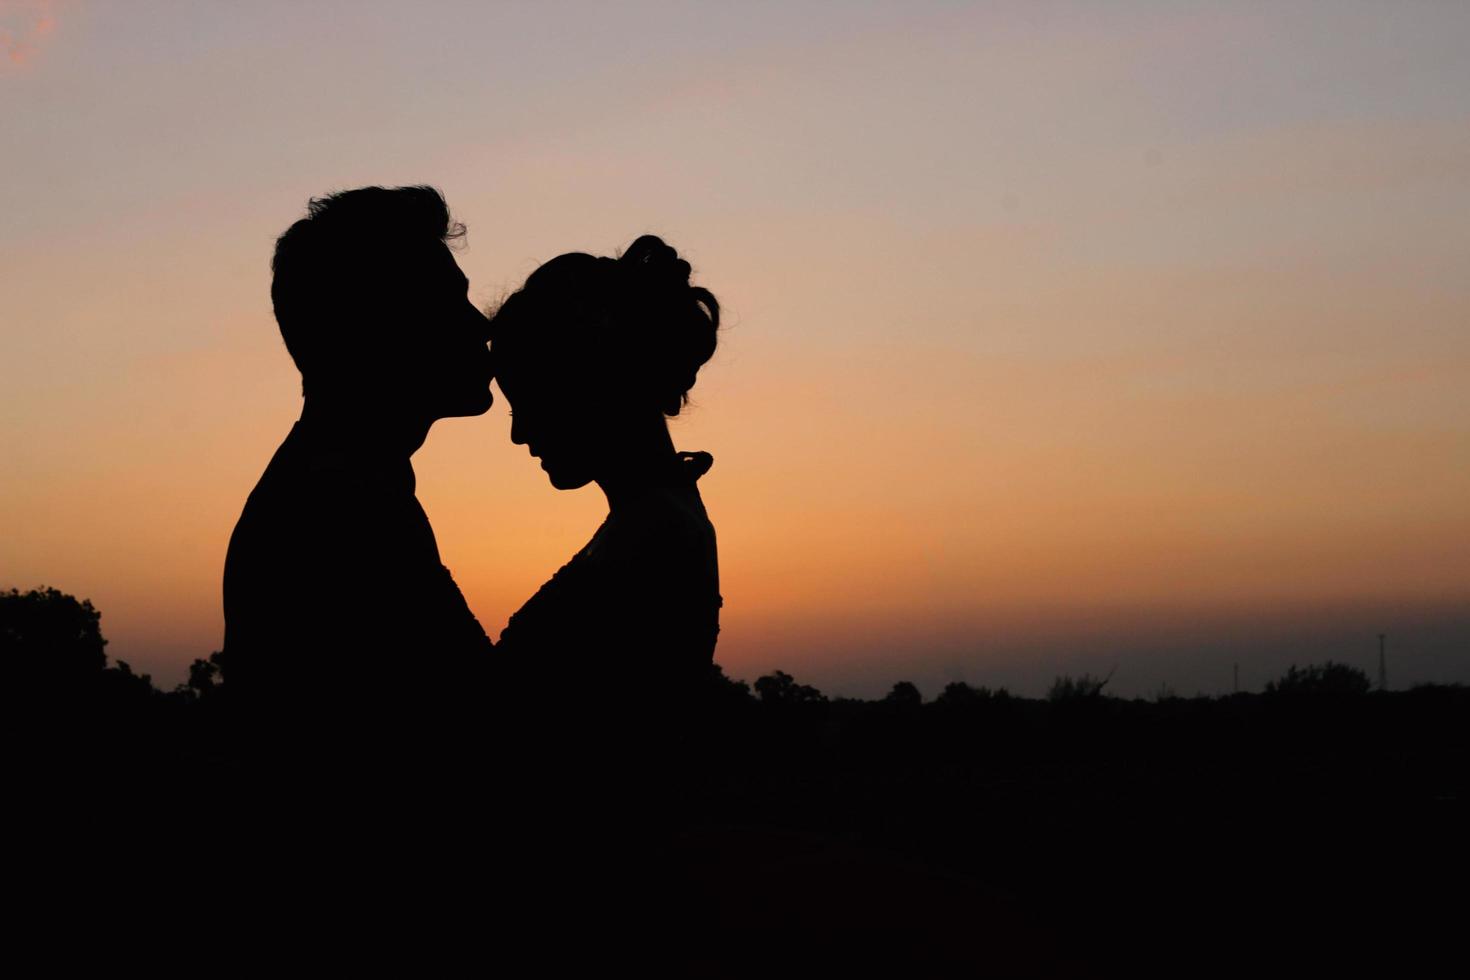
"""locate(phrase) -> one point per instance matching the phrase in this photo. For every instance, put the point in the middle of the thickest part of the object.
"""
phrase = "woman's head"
(591, 346)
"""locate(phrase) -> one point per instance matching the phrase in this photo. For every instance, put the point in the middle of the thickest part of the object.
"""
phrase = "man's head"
(372, 305)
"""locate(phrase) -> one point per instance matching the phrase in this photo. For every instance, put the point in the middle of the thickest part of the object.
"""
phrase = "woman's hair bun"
(634, 317)
(678, 321)
(652, 256)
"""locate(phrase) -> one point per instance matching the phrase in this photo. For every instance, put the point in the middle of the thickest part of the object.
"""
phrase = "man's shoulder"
(289, 502)
(305, 481)
(310, 511)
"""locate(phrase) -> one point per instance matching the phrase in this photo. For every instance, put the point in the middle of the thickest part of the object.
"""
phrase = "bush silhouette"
(958, 694)
(1321, 680)
(1165, 693)
(1086, 687)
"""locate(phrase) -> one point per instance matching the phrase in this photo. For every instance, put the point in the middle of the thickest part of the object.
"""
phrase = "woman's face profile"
(552, 420)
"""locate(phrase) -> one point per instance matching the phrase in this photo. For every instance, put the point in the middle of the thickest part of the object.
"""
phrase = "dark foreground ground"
(977, 835)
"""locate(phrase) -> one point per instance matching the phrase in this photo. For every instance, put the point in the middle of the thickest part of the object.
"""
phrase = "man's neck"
(352, 426)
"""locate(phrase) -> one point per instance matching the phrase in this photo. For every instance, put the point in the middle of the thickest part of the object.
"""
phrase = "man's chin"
(472, 406)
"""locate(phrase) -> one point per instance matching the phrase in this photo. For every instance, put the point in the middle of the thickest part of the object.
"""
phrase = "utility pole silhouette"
(1382, 664)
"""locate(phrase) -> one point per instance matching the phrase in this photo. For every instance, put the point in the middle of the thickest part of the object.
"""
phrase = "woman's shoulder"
(665, 519)
(667, 514)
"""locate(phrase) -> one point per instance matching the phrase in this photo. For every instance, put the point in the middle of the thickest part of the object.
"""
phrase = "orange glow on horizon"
(1113, 324)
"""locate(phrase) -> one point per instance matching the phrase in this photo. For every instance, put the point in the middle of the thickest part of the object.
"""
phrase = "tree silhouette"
(50, 640)
(206, 678)
(722, 689)
(781, 688)
(121, 684)
(904, 695)
(958, 695)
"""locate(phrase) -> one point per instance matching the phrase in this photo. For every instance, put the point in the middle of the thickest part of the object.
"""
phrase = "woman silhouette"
(593, 355)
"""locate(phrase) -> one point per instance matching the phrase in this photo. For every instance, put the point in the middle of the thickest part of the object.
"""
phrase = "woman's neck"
(639, 461)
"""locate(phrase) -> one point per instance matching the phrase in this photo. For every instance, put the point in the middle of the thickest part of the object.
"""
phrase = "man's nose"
(478, 323)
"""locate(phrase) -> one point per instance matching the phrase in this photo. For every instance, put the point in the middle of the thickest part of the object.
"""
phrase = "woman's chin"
(563, 480)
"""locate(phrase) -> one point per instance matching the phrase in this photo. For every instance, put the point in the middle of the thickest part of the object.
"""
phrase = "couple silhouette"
(360, 682)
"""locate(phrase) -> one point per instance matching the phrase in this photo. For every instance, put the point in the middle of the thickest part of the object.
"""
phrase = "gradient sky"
(1060, 337)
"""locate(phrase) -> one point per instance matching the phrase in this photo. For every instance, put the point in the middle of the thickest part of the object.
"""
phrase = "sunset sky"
(1060, 337)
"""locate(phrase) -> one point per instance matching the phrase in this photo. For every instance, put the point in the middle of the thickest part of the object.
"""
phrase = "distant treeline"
(777, 736)
(1169, 836)
(51, 645)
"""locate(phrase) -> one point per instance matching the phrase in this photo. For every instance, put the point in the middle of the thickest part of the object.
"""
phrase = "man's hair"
(330, 261)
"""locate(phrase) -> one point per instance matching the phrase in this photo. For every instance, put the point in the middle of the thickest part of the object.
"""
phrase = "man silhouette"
(345, 636)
